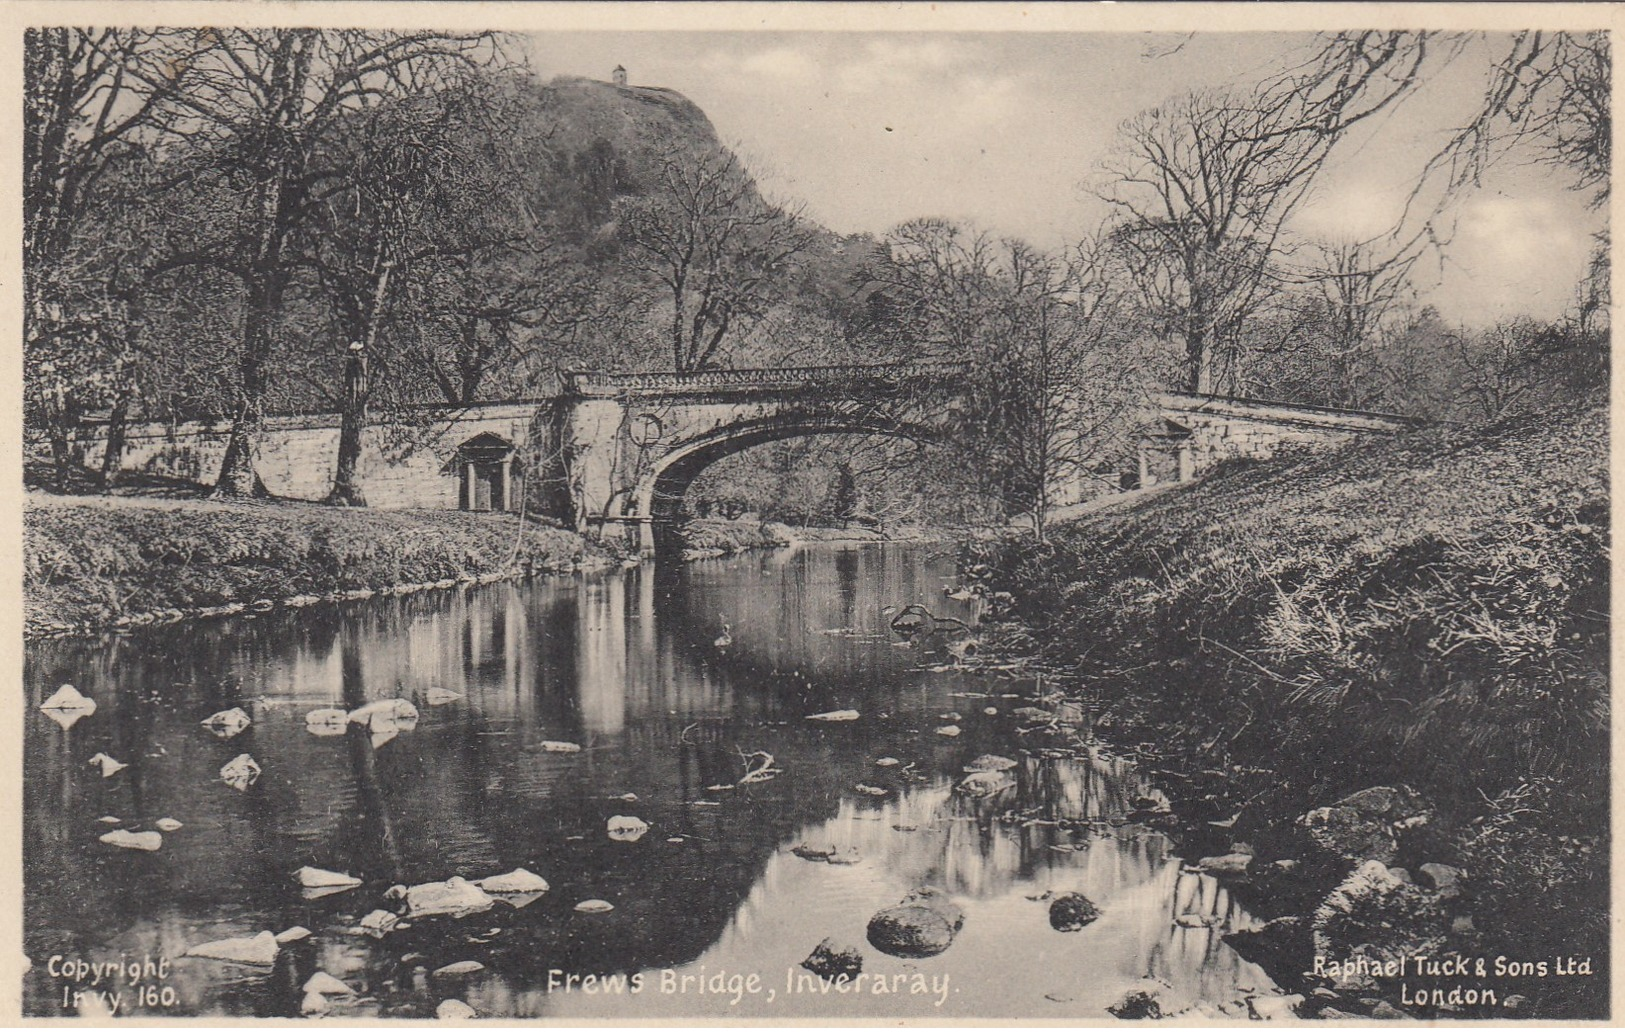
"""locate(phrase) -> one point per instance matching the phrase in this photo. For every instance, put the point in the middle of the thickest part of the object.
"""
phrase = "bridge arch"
(655, 502)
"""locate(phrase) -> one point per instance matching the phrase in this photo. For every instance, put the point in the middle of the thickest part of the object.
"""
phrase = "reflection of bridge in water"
(622, 664)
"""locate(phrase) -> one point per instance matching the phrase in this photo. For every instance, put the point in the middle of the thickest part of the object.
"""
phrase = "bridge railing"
(793, 377)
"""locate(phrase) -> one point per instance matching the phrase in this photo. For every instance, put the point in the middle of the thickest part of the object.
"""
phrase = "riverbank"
(96, 564)
(1376, 684)
(711, 537)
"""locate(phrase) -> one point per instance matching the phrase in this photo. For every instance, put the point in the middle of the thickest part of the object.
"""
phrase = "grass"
(1431, 609)
(716, 536)
(92, 562)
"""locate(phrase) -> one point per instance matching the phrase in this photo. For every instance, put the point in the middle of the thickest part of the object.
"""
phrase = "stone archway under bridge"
(634, 442)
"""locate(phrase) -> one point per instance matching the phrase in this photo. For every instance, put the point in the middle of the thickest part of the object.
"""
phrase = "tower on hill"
(618, 76)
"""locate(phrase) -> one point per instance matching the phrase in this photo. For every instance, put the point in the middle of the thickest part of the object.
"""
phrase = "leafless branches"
(718, 248)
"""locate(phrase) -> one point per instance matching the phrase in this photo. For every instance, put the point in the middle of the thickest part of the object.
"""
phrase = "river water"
(627, 665)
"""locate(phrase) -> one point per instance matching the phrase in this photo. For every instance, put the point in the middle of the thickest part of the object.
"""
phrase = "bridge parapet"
(748, 381)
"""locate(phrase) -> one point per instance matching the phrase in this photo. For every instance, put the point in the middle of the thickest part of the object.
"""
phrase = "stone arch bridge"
(632, 443)
(614, 452)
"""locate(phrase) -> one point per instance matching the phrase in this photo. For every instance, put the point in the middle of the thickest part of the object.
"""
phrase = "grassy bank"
(99, 563)
(713, 536)
(1429, 610)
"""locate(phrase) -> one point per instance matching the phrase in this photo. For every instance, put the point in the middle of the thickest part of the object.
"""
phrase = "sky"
(1006, 130)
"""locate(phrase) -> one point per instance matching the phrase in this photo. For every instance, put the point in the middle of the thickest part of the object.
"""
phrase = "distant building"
(619, 75)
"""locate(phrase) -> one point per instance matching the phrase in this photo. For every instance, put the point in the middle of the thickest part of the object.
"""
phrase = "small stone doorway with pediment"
(491, 480)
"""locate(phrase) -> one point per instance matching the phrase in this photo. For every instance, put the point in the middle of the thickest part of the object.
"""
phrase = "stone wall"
(404, 465)
(1198, 432)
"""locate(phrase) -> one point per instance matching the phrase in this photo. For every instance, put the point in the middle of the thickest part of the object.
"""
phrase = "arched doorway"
(492, 481)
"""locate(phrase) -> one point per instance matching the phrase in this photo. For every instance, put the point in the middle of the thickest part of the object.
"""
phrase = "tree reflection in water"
(624, 666)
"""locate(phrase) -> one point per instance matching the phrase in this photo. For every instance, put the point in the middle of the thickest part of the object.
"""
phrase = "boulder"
(455, 1010)
(517, 880)
(1442, 877)
(325, 984)
(146, 841)
(985, 783)
(1228, 864)
(454, 897)
(1344, 832)
(1362, 826)
(397, 712)
(1274, 1008)
(810, 852)
(241, 772)
(551, 746)
(68, 697)
(1397, 804)
(922, 925)
(627, 829)
(107, 764)
(316, 878)
(258, 950)
(1373, 915)
(1274, 945)
(459, 969)
(1136, 1005)
(314, 1005)
(1070, 911)
(830, 959)
(227, 723)
(594, 906)
(379, 923)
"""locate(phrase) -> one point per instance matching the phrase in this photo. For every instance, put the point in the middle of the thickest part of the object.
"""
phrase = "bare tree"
(1202, 188)
(94, 103)
(720, 251)
(1063, 393)
(258, 102)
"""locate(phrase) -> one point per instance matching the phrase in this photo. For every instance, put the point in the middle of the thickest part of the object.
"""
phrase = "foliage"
(722, 253)
(94, 563)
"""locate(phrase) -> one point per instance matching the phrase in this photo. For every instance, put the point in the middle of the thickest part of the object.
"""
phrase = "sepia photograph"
(615, 513)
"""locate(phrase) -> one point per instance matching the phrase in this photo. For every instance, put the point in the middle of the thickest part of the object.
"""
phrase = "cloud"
(1513, 254)
(787, 63)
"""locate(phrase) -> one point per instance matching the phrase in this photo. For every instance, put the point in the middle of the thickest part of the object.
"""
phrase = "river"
(636, 668)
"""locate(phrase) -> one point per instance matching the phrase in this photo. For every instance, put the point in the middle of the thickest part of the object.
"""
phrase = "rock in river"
(1070, 911)
(454, 1010)
(830, 959)
(259, 950)
(517, 880)
(626, 829)
(1136, 1005)
(454, 897)
(988, 762)
(923, 924)
(1229, 863)
(985, 783)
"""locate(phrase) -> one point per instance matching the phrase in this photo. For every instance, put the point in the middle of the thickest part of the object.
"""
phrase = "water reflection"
(623, 665)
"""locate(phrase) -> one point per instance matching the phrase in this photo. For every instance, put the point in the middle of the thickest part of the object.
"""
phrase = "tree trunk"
(352, 423)
(238, 477)
(357, 392)
(113, 449)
